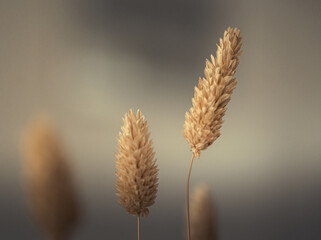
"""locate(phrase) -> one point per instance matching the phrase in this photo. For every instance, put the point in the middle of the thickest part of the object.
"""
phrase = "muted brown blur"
(52, 196)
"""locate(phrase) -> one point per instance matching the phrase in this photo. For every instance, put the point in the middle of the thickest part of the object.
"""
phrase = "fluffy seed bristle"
(137, 171)
(202, 217)
(204, 120)
(52, 197)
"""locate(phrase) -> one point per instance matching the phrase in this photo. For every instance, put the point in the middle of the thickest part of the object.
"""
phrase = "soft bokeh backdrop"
(84, 63)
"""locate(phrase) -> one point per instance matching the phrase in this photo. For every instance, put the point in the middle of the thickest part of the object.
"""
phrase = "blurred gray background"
(85, 63)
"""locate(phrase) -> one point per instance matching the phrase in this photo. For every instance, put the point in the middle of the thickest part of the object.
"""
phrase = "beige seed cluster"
(202, 216)
(52, 197)
(204, 120)
(137, 171)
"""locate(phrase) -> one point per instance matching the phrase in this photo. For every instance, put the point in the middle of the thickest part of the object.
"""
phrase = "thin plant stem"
(187, 199)
(138, 226)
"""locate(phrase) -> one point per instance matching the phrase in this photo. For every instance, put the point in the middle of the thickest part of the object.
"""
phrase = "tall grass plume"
(137, 173)
(205, 118)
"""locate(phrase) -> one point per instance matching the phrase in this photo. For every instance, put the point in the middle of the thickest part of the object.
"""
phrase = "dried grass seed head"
(204, 120)
(137, 173)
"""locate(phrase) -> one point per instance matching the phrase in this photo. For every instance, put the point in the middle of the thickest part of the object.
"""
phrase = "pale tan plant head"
(204, 120)
(51, 191)
(137, 173)
(202, 214)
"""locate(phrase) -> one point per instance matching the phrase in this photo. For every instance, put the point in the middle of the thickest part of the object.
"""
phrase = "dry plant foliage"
(52, 197)
(202, 215)
(204, 120)
(137, 171)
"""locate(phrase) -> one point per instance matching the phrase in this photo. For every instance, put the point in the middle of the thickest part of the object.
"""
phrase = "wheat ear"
(52, 195)
(137, 173)
(202, 217)
(204, 120)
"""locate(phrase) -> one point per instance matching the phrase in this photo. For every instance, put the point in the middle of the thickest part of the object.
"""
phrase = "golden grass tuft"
(202, 214)
(204, 120)
(137, 173)
(51, 193)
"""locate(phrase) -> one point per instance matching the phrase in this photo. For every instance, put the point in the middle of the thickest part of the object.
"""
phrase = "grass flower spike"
(204, 120)
(52, 197)
(137, 173)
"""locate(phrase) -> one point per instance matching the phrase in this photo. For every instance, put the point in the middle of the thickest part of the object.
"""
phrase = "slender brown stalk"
(187, 199)
(138, 226)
